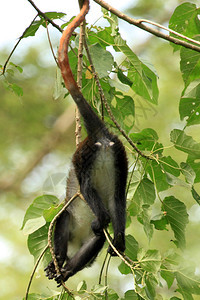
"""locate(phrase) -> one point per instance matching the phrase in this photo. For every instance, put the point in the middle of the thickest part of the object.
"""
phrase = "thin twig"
(116, 251)
(106, 277)
(40, 13)
(131, 176)
(79, 81)
(34, 269)
(139, 23)
(50, 44)
(21, 37)
(102, 268)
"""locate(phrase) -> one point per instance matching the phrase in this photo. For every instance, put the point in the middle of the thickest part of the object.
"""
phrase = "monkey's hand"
(118, 243)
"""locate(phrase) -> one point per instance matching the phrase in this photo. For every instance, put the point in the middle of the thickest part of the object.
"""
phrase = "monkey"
(100, 170)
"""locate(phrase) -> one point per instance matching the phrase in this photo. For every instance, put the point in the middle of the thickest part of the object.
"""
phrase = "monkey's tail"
(63, 59)
(91, 120)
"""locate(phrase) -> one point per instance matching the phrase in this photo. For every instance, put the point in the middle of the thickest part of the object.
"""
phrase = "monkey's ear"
(98, 144)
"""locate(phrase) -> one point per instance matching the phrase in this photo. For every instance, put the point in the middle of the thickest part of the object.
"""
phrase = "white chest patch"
(103, 176)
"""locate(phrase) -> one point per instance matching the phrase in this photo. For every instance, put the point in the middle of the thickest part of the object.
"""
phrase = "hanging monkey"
(100, 170)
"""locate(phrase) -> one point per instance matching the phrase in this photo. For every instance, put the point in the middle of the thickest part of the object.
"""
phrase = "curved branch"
(139, 23)
(123, 257)
(50, 232)
(34, 269)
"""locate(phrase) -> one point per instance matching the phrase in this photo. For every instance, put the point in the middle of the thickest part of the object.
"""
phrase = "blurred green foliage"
(25, 122)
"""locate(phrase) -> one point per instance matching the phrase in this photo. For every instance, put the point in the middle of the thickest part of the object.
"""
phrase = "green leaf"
(146, 139)
(131, 251)
(102, 60)
(144, 217)
(33, 225)
(169, 165)
(190, 108)
(16, 89)
(119, 86)
(16, 66)
(151, 285)
(188, 172)
(177, 217)
(157, 174)
(173, 258)
(145, 192)
(174, 181)
(185, 20)
(131, 247)
(124, 111)
(58, 87)
(130, 295)
(37, 241)
(144, 80)
(187, 281)
(51, 212)
(123, 78)
(31, 31)
(195, 195)
(141, 291)
(189, 65)
(36, 209)
(185, 143)
(150, 261)
(101, 36)
(160, 222)
(82, 286)
(196, 167)
(112, 19)
(53, 15)
(167, 276)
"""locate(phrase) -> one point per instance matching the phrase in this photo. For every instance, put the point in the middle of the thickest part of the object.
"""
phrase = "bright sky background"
(16, 15)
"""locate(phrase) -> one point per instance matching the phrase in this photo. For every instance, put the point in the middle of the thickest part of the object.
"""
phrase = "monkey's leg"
(61, 237)
(96, 204)
(118, 222)
(118, 211)
(84, 257)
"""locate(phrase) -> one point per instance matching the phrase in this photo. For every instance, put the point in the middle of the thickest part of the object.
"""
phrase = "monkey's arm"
(61, 237)
(84, 257)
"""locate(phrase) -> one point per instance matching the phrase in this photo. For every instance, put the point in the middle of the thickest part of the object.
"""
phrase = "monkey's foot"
(65, 274)
(119, 244)
(50, 271)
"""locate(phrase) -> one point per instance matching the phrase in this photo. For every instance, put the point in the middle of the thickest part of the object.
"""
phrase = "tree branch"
(139, 23)
(40, 13)
(79, 79)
